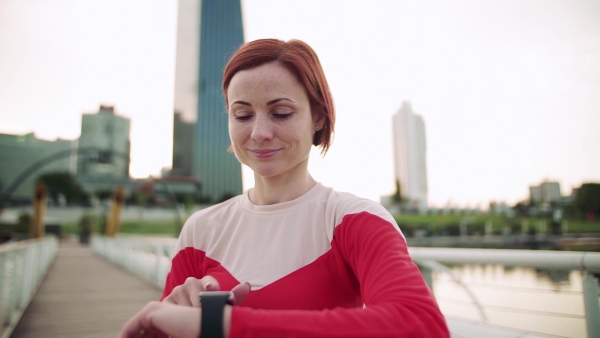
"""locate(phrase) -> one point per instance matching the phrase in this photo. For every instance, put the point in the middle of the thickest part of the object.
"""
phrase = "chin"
(266, 172)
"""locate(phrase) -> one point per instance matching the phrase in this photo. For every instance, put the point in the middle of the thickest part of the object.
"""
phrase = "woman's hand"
(163, 320)
(169, 319)
(188, 292)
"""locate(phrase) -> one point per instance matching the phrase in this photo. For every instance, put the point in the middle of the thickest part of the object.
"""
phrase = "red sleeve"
(186, 263)
(398, 303)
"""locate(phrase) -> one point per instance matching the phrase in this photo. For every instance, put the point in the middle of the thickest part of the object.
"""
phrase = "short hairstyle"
(300, 59)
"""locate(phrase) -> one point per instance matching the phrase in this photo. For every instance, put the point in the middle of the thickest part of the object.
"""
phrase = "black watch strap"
(212, 304)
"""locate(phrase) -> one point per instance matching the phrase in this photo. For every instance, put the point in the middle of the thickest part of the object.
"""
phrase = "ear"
(318, 119)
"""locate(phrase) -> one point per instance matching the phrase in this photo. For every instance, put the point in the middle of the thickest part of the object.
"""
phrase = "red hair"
(299, 58)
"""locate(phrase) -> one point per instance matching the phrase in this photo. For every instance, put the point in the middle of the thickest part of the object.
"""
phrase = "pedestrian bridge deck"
(83, 295)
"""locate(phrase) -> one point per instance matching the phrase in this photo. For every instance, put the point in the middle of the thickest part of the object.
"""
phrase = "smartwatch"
(212, 304)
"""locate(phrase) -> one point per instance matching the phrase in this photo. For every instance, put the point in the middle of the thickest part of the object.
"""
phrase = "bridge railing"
(150, 258)
(430, 259)
(23, 265)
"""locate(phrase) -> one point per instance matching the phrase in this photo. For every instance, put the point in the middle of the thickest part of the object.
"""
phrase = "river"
(542, 302)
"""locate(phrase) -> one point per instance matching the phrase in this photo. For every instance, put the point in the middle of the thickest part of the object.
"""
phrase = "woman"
(301, 259)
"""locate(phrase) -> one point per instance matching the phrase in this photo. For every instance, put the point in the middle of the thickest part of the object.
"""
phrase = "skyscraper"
(103, 151)
(108, 134)
(209, 31)
(546, 192)
(183, 134)
(410, 165)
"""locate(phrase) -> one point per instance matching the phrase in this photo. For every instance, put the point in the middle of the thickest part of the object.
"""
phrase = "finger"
(193, 287)
(137, 326)
(240, 292)
(180, 296)
(153, 333)
(161, 320)
(209, 283)
(132, 328)
(186, 293)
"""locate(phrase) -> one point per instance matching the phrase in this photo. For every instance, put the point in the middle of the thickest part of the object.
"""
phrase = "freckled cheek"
(237, 133)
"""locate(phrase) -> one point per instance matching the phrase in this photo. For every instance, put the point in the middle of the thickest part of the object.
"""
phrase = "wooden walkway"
(83, 295)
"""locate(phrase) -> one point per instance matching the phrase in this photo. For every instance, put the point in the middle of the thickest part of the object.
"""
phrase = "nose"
(262, 130)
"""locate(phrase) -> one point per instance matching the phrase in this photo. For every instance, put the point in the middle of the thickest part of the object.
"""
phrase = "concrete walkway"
(83, 295)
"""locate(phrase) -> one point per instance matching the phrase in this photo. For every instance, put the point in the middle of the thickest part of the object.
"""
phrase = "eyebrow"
(279, 99)
(244, 103)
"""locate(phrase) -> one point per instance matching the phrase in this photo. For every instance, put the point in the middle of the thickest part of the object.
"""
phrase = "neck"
(269, 190)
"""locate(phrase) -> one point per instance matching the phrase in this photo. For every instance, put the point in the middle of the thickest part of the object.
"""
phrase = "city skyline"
(507, 89)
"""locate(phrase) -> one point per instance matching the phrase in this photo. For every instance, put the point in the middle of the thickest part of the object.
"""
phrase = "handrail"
(427, 266)
(560, 260)
(23, 265)
(586, 262)
(142, 256)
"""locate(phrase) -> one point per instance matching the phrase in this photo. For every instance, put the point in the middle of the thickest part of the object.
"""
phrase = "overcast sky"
(509, 90)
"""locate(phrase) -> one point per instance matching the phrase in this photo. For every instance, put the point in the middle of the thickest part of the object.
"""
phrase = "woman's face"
(270, 121)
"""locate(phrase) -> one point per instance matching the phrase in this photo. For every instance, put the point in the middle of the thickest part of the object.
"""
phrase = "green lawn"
(434, 225)
(146, 227)
(450, 224)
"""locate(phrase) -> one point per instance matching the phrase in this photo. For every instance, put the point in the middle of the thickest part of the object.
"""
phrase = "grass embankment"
(433, 225)
(146, 227)
(437, 225)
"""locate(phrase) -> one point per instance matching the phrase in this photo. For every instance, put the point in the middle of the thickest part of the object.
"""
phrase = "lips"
(264, 153)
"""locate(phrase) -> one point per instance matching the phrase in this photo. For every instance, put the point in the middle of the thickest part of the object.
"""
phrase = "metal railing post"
(592, 305)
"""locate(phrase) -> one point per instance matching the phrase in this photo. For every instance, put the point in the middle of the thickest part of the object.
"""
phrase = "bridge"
(52, 288)
(80, 295)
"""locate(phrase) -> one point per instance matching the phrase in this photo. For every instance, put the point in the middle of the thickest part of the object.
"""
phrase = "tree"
(1, 194)
(522, 208)
(63, 183)
(397, 196)
(587, 200)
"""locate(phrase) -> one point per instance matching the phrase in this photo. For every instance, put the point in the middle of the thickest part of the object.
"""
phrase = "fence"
(23, 265)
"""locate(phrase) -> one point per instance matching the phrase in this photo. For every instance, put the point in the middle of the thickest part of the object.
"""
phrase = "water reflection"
(541, 301)
(556, 277)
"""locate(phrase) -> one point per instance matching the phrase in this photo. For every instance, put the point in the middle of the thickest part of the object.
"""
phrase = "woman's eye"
(243, 117)
(282, 116)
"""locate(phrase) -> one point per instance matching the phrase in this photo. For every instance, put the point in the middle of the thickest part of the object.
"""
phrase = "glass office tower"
(209, 42)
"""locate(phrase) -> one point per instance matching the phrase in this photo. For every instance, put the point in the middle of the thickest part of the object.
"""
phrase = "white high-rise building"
(187, 58)
(105, 137)
(546, 192)
(410, 165)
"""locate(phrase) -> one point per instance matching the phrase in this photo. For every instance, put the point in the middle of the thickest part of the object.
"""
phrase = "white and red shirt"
(327, 264)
